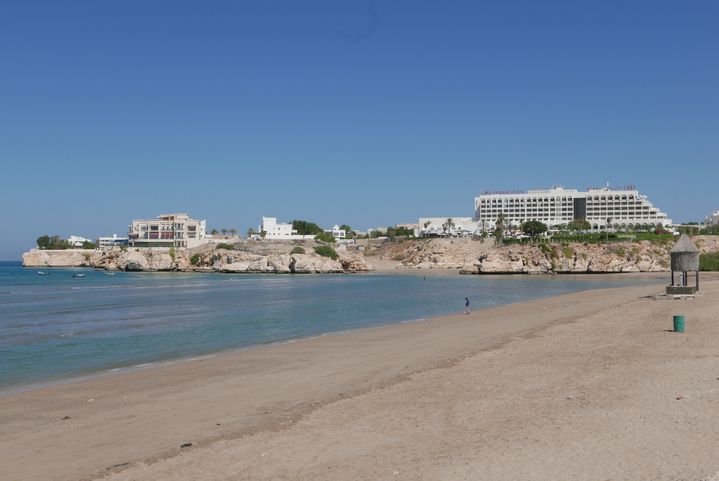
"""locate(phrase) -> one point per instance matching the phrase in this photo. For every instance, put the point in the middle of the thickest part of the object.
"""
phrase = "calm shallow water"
(56, 326)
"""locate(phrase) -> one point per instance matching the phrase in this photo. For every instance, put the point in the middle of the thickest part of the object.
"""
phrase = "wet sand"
(588, 385)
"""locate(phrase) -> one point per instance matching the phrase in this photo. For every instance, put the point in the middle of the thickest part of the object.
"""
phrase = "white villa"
(168, 230)
(77, 241)
(336, 232)
(712, 219)
(275, 230)
(620, 208)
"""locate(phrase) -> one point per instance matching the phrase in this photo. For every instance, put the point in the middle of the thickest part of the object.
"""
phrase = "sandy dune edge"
(586, 391)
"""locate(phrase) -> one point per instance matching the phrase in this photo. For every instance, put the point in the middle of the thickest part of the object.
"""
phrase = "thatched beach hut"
(684, 259)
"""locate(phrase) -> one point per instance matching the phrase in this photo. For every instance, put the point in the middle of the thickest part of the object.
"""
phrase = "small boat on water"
(43, 273)
(109, 273)
(78, 275)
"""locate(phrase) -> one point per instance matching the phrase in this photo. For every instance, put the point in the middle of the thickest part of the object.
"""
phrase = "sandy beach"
(585, 386)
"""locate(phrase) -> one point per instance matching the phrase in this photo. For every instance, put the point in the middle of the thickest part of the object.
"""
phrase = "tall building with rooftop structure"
(167, 230)
(272, 229)
(621, 208)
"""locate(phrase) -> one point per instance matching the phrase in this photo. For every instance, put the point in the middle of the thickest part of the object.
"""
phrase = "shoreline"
(398, 270)
(287, 380)
(78, 377)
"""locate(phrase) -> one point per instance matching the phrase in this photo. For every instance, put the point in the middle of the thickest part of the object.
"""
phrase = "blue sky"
(357, 112)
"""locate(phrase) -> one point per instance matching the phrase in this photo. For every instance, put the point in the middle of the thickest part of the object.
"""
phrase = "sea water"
(55, 326)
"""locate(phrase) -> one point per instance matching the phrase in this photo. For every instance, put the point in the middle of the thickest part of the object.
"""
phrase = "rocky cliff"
(573, 258)
(465, 255)
(278, 259)
(485, 257)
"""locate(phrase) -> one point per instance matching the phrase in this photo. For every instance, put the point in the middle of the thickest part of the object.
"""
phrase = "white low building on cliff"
(446, 227)
(114, 241)
(270, 229)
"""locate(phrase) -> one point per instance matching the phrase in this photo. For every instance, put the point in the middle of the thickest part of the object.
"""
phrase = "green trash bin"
(678, 323)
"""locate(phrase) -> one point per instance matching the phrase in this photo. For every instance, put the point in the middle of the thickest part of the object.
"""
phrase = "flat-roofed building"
(113, 241)
(620, 208)
(336, 232)
(167, 230)
(271, 229)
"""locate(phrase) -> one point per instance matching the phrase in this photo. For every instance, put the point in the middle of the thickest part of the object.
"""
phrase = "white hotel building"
(623, 207)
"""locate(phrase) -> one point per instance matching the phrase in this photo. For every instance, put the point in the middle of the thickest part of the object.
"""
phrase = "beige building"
(167, 230)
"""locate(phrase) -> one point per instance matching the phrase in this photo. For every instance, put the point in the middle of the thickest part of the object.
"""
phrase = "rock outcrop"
(233, 261)
(61, 258)
(207, 259)
(573, 258)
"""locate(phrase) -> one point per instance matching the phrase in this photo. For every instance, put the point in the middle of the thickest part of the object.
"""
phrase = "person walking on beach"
(466, 306)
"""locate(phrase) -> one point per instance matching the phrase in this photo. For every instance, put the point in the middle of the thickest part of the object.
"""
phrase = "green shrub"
(398, 257)
(325, 237)
(304, 227)
(568, 252)
(52, 242)
(327, 251)
(195, 259)
(393, 232)
(297, 250)
(173, 254)
(709, 261)
(534, 228)
(224, 245)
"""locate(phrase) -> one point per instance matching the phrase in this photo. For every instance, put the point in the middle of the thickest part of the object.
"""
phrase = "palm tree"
(233, 231)
(447, 226)
(426, 224)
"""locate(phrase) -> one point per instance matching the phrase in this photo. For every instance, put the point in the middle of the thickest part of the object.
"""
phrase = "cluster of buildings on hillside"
(603, 208)
(181, 231)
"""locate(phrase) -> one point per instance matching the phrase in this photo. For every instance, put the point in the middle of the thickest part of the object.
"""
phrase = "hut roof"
(684, 244)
